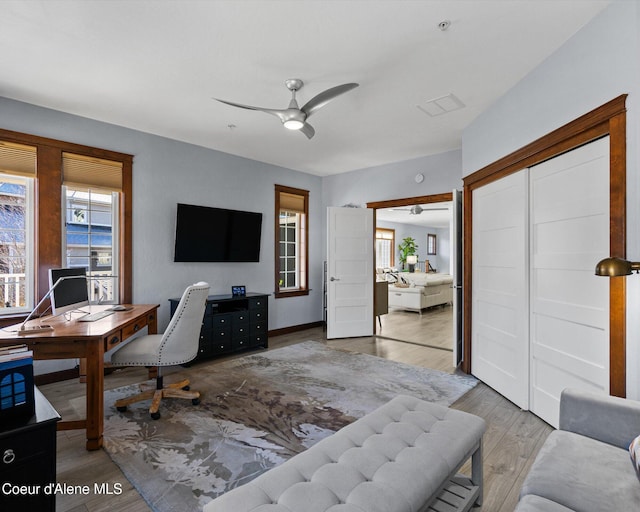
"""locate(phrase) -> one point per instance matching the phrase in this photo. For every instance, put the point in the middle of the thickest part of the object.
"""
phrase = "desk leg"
(82, 370)
(95, 394)
(152, 328)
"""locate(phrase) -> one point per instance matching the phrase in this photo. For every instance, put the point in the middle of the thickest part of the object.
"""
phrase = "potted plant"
(407, 248)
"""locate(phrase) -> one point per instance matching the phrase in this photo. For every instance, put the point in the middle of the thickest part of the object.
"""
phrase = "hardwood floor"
(511, 442)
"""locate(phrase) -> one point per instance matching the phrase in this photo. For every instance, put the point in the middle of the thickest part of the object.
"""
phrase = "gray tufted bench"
(402, 457)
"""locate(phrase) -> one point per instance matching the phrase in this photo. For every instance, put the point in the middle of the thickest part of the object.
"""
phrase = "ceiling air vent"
(442, 105)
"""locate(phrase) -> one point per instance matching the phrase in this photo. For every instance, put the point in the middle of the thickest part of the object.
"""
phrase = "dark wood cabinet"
(28, 460)
(232, 323)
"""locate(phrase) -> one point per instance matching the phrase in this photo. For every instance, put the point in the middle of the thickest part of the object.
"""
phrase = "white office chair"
(178, 345)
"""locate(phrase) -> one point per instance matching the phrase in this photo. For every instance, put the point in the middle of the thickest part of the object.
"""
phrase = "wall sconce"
(412, 259)
(614, 267)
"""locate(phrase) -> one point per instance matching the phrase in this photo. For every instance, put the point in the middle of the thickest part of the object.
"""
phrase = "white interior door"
(569, 337)
(456, 271)
(349, 272)
(500, 310)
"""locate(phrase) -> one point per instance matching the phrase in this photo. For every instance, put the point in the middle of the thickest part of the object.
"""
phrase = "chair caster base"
(122, 408)
(155, 415)
(195, 401)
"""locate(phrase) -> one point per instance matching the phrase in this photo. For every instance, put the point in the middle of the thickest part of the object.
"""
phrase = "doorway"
(428, 220)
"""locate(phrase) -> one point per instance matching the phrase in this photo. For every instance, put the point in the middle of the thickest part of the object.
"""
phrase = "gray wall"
(598, 64)
(166, 172)
(395, 180)
(442, 173)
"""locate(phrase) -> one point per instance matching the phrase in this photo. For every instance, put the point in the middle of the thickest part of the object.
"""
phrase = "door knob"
(334, 279)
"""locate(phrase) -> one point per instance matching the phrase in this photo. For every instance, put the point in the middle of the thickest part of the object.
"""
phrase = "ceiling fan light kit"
(293, 124)
(294, 117)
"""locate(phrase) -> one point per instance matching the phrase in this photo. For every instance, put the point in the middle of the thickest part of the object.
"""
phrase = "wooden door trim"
(410, 201)
(608, 119)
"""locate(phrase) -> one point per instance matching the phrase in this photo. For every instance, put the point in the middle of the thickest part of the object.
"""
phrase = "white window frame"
(30, 271)
(291, 218)
(115, 236)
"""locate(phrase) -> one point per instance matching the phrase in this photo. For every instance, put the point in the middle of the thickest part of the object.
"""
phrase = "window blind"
(91, 172)
(17, 159)
(293, 203)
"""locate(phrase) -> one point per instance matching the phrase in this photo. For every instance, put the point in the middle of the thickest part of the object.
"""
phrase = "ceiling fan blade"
(272, 111)
(325, 97)
(308, 130)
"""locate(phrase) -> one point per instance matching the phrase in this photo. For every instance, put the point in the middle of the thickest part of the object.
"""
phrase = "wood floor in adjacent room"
(512, 439)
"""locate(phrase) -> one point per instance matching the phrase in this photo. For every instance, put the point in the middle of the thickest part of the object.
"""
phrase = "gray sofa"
(585, 465)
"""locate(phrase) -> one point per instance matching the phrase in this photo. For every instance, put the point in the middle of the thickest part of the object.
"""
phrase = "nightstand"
(28, 459)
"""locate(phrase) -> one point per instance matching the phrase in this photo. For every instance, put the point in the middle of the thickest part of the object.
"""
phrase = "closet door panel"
(569, 225)
(500, 350)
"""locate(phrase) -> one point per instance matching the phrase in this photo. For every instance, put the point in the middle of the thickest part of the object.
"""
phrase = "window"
(16, 244)
(91, 239)
(385, 243)
(80, 216)
(291, 241)
(431, 244)
(17, 276)
(90, 232)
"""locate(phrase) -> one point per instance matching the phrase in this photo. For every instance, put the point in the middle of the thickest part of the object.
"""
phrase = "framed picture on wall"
(431, 244)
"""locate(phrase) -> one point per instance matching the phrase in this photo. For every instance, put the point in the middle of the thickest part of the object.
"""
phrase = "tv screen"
(209, 234)
(71, 293)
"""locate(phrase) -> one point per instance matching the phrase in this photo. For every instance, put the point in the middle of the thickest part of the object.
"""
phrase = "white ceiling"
(155, 66)
(434, 215)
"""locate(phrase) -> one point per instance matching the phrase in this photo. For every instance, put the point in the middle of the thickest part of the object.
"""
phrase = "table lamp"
(412, 259)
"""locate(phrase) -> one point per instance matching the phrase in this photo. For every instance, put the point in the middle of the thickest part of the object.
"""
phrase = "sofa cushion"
(570, 467)
(533, 503)
(634, 451)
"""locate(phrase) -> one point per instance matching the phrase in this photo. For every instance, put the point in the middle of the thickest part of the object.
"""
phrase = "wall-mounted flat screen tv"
(209, 234)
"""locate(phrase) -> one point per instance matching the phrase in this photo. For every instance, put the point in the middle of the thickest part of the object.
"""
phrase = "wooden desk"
(87, 340)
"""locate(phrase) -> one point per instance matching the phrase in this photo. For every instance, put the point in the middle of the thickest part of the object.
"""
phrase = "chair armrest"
(609, 419)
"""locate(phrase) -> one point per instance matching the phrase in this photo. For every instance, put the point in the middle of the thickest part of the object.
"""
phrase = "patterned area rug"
(256, 412)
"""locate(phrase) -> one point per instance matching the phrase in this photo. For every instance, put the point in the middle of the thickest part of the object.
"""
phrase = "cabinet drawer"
(259, 340)
(240, 330)
(132, 328)
(257, 315)
(259, 328)
(240, 317)
(113, 340)
(218, 321)
(257, 302)
(221, 334)
(220, 347)
(207, 322)
(205, 350)
(240, 343)
(24, 446)
(206, 335)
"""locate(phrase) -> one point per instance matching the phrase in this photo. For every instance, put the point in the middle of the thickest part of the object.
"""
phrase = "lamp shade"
(412, 259)
(613, 267)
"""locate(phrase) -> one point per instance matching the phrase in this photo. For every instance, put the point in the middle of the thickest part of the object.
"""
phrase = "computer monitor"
(70, 293)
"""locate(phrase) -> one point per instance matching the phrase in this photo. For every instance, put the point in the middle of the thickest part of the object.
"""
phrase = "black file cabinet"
(231, 324)
(28, 460)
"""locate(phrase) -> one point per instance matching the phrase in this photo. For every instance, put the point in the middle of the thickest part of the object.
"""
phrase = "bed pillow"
(634, 452)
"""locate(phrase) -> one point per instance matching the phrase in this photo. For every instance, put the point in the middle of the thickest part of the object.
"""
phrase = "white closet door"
(500, 309)
(569, 198)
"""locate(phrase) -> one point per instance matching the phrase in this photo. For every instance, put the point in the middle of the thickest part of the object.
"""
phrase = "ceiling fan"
(294, 117)
(417, 209)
